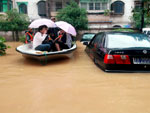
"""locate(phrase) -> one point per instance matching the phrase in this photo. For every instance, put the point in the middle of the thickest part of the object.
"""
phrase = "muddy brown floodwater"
(73, 85)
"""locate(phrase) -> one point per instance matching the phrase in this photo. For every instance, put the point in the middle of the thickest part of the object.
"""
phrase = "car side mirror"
(85, 43)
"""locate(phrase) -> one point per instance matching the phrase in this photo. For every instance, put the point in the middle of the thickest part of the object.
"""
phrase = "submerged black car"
(120, 51)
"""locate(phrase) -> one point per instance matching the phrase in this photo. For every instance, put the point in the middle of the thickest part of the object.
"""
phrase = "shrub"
(137, 15)
(3, 46)
(124, 30)
(15, 22)
(22, 38)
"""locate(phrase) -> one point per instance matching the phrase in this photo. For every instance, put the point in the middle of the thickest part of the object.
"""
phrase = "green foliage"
(107, 12)
(22, 38)
(123, 30)
(3, 46)
(137, 15)
(14, 21)
(74, 15)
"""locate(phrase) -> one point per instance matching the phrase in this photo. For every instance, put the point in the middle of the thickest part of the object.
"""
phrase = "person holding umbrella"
(64, 39)
(60, 41)
(39, 38)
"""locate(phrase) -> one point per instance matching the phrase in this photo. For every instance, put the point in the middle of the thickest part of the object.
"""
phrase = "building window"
(137, 4)
(118, 7)
(23, 8)
(84, 6)
(58, 6)
(67, 3)
(9, 4)
(94, 5)
(91, 6)
(42, 8)
(5, 5)
(116, 26)
(1, 6)
(97, 6)
(104, 6)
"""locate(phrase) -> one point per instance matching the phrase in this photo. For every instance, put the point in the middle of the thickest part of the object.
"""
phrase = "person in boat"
(39, 37)
(63, 41)
(29, 36)
(53, 19)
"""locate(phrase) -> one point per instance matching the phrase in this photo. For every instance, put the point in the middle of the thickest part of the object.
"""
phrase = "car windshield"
(128, 40)
(88, 37)
(148, 33)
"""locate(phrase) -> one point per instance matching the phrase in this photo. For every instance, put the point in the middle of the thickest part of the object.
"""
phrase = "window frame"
(115, 7)
(56, 4)
(87, 6)
(1, 6)
(39, 13)
(26, 8)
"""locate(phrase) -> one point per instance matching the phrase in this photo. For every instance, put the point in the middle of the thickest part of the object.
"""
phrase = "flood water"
(73, 85)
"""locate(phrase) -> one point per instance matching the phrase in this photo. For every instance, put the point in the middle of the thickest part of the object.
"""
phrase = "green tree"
(137, 15)
(15, 22)
(3, 46)
(74, 15)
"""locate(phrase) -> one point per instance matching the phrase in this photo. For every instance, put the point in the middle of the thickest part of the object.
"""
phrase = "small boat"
(27, 52)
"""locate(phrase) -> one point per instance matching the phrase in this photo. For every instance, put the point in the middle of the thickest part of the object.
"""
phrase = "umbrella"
(68, 28)
(37, 23)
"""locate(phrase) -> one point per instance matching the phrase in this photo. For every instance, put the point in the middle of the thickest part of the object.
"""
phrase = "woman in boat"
(39, 37)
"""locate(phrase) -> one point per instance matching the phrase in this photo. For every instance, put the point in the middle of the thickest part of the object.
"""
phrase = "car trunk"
(137, 56)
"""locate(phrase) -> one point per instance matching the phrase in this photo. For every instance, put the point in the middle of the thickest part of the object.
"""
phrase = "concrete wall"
(8, 35)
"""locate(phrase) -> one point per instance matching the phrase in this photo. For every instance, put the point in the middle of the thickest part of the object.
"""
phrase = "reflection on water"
(73, 85)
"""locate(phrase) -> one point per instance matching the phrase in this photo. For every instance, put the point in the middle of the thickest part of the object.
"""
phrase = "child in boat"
(39, 38)
(29, 36)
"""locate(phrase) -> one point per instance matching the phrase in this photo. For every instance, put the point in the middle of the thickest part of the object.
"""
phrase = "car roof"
(117, 32)
(88, 33)
(146, 29)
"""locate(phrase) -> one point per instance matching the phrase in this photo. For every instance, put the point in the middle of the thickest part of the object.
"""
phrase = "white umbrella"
(68, 28)
(37, 23)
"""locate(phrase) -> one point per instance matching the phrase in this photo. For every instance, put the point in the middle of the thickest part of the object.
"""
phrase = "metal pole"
(142, 18)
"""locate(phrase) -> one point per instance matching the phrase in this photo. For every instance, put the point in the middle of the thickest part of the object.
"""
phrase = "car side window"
(92, 41)
(99, 40)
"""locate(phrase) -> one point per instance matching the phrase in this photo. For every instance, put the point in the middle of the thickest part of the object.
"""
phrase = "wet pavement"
(73, 85)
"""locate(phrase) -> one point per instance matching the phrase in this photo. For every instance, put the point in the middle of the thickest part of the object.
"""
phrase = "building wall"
(32, 8)
(125, 19)
(98, 20)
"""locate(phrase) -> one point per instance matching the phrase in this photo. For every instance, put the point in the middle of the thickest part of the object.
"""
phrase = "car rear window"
(127, 40)
(88, 36)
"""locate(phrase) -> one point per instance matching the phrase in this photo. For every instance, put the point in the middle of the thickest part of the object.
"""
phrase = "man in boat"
(53, 19)
(39, 37)
(29, 36)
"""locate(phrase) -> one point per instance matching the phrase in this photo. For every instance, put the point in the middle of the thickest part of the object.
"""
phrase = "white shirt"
(38, 39)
